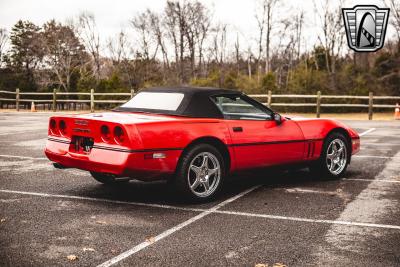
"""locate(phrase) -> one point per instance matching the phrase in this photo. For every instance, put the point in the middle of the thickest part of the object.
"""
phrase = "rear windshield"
(155, 101)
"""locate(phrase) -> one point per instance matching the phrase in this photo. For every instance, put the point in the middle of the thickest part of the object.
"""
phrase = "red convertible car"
(195, 137)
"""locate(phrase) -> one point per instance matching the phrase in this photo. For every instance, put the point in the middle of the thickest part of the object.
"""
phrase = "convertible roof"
(192, 90)
(196, 102)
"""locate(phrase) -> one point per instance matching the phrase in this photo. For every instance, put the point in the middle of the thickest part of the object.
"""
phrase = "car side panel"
(265, 143)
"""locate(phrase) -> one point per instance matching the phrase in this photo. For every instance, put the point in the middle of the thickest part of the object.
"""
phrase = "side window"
(236, 108)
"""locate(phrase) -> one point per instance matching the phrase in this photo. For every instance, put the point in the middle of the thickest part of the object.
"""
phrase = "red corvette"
(195, 137)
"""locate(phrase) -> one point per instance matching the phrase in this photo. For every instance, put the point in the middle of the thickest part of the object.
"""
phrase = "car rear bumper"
(138, 165)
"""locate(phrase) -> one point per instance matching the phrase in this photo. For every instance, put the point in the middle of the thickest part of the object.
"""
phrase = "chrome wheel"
(204, 174)
(336, 156)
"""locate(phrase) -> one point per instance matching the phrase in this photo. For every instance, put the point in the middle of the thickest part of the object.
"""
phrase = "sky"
(112, 16)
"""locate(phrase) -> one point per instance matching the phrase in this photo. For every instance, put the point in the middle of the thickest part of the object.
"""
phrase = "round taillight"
(63, 127)
(119, 134)
(105, 133)
(53, 126)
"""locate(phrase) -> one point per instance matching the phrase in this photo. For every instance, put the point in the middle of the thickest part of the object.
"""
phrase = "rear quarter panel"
(177, 135)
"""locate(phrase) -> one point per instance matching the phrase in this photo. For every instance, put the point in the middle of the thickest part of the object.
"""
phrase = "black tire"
(320, 168)
(106, 179)
(182, 176)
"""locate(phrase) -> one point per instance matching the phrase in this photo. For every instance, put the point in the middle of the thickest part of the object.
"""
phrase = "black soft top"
(196, 103)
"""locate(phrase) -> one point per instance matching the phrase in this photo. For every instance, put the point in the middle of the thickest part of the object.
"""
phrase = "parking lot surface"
(52, 217)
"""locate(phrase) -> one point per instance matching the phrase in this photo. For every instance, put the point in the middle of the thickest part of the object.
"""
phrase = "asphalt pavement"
(52, 217)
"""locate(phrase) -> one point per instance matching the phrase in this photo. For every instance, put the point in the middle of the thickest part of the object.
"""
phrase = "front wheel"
(200, 172)
(334, 159)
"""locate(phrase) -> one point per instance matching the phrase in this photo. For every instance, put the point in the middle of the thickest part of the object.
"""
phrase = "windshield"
(155, 101)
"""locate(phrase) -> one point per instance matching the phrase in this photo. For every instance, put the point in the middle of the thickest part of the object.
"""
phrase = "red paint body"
(259, 144)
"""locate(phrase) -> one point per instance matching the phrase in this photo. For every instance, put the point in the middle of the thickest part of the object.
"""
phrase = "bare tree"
(170, 21)
(187, 24)
(191, 17)
(395, 17)
(269, 24)
(265, 23)
(218, 49)
(283, 52)
(176, 21)
(202, 31)
(197, 26)
(249, 57)
(141, 23)
(118, 48)
(332, 36)
(3, 43)
(120, 52)
(298, 28)
(158, 33)
(89, 35)
(237, 54)
(261, 20)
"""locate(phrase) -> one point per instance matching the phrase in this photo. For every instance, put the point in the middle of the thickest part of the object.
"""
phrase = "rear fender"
(181, 135)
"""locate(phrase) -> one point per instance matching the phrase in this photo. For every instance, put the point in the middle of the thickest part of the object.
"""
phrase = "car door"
(257, 139)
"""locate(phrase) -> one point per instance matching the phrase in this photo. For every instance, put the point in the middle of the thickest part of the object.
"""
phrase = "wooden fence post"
(91, 100)
(54, 105)
(370, 105)
(132, 93)
(318, 104)
(17, 99)
(269, 101)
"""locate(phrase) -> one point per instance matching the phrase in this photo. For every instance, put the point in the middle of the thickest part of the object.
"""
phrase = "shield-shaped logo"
(365, 27)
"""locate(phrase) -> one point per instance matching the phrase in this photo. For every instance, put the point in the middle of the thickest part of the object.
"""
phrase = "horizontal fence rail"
(54, 99)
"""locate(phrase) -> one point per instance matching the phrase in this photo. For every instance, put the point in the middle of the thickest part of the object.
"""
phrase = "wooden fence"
(19, 98)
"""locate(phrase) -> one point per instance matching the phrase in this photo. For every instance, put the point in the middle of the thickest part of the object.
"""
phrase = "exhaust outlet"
(59, 166)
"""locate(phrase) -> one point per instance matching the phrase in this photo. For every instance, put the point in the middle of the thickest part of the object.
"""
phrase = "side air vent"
(310, 149)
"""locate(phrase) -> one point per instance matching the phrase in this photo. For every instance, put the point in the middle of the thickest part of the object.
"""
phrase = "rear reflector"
(159, 156)
(119, 134)
(53, 127)
(105, 133)
(63, 127)
(155, 156)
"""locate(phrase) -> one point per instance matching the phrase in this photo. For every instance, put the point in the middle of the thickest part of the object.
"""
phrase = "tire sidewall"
(321, 166)
(181, 181)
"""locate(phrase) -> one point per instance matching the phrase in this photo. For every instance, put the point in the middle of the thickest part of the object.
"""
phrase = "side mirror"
(278, 118)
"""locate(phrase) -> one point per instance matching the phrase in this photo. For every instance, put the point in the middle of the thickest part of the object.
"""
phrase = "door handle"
(237, 129)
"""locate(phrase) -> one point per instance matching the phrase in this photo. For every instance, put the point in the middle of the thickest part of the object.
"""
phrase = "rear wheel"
(200, 173)
(105, 178)
(334, 159)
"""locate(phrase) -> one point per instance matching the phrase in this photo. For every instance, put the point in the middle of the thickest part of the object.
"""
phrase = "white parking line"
(23, 132)
(311, 191)
(215, 209)
(367, 132)
(298, 219)
(99, 200)
(380, 144)
(375, 180)
(372, 156)
(172, 230)
(23, 157)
